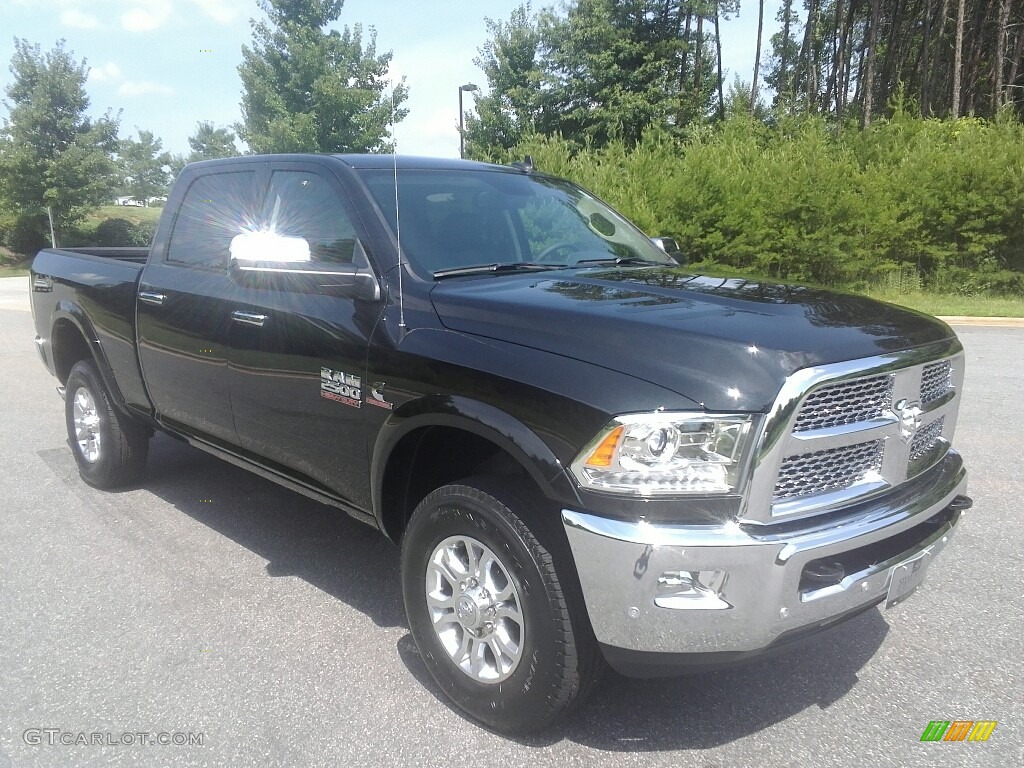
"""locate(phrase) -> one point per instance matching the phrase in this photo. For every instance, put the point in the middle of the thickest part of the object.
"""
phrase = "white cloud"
(223, 11)
(142, 88)
(146, 15)
(108, 71)
(73, 17)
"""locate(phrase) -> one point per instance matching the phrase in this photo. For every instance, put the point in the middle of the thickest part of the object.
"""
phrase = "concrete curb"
(984, 322)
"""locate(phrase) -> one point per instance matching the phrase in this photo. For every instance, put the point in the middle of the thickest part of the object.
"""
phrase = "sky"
(168, 64)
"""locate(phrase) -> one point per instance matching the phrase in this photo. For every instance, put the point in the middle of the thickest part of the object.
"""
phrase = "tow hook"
(961, 503)
(62, 391)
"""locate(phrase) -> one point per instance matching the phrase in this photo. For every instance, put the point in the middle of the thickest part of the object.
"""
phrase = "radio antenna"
(398, 226)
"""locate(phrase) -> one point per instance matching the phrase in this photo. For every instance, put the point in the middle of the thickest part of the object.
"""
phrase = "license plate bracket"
(906, 577)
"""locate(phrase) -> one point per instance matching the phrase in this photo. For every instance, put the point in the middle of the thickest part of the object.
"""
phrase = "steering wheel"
(562, 245)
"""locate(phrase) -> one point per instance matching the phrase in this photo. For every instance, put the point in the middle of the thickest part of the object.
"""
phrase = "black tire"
(559, 659)
(119, 456)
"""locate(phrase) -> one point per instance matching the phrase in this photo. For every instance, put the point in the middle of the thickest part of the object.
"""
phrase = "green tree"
(145, 166)
(513, 105)
(211, 143)
(310, 90)
(177, 164)
(612, 66)
(51, 152)
(605, 70)
(738, 100)
(780, 69)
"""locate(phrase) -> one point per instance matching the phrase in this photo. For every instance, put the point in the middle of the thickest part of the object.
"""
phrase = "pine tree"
(757, 55)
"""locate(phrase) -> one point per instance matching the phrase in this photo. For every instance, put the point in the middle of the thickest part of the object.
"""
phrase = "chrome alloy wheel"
(87, 425)
(475, 609)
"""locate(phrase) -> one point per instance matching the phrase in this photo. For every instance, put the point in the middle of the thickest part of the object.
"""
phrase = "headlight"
(667, 454)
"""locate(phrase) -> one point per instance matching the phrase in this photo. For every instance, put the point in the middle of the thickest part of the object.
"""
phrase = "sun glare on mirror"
(268, 246)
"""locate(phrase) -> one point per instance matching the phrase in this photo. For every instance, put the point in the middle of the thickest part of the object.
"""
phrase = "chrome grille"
(936, 381)
(839, 433)
(846, 402)
(828, 470)
(926, 438)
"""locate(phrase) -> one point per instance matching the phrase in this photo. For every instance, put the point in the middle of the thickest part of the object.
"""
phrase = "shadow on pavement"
(706, 709)
(297, 536)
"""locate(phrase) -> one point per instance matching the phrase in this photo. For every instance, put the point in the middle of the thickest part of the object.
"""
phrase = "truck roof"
(406, 162)
(366, 162)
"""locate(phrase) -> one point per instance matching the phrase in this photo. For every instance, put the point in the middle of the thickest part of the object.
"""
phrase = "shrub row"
(936, 202)
(25, 235)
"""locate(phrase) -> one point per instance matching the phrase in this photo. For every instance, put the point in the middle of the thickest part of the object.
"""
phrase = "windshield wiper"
(629, 261)
(481, 269)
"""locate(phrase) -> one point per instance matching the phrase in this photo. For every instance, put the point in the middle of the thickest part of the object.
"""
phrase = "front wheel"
(109, 447)
(499, 631)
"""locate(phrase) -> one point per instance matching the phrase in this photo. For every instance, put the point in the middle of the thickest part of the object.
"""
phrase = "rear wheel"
(109, 447)
(499, 631)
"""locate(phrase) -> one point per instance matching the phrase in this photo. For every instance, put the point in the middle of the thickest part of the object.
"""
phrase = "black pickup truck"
(588, 453)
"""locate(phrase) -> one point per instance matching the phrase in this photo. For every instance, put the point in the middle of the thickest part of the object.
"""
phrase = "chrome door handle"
(149, 297)
(248, 318)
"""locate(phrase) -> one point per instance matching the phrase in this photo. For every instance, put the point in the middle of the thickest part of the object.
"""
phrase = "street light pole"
(462, 129)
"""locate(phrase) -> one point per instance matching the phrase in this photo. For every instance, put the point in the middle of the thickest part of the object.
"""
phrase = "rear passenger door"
(185, 302)
(298, 364)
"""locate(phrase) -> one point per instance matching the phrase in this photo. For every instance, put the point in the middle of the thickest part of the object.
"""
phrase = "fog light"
(692, 590)
(821, 573)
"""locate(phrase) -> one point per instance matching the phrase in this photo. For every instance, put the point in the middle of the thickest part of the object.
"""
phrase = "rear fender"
(69, 312)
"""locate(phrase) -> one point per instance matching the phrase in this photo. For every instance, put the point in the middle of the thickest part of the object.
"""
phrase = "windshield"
(451, 219)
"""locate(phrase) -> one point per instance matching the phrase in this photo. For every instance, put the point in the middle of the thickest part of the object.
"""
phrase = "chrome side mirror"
(252, 248)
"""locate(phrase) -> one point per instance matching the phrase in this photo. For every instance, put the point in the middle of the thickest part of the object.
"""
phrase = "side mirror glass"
(602, 225)
(670, 247)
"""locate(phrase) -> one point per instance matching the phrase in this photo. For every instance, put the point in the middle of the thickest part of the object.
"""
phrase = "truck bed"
(102, 282)
(135, 255)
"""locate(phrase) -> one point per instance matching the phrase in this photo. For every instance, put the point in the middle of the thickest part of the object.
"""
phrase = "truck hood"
(725, 343)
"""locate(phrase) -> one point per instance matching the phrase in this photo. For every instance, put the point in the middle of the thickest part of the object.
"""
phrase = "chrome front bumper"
(734, 590)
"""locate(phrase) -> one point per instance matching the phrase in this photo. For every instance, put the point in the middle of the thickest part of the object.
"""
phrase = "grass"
(910, 294)
(13, 265)
(131, 213)
(967, 306)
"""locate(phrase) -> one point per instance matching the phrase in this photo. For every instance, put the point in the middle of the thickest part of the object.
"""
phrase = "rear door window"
(216, 208)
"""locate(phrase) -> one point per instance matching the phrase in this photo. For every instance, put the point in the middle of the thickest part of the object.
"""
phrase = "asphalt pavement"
(209, 605)
(14, 293)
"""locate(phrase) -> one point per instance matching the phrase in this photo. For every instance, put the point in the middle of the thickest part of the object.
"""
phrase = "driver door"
(298, 348)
